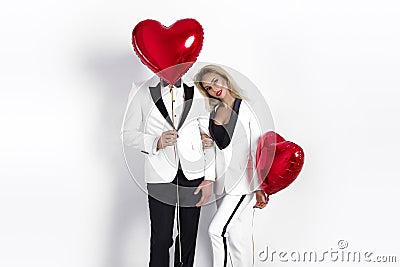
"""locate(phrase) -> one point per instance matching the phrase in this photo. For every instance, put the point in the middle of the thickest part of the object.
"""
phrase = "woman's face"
(215, 85)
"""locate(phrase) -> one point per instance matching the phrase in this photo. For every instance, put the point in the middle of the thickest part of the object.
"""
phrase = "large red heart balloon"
(168, 51)
(279, 162)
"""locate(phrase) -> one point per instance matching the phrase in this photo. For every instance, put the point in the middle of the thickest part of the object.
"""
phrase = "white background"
(328, 69)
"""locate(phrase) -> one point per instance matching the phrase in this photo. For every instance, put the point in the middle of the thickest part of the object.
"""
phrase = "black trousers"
(162, 200)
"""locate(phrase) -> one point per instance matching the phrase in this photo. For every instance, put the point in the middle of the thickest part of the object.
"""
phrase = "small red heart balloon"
(279, 162)
(168, 51)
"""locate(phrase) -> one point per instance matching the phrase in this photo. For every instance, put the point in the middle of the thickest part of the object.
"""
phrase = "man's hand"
(168, 138)
(206, 190)
(207, 141)
(261, 199)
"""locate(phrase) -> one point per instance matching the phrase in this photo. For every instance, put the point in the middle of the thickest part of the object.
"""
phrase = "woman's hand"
(207, 141)
(261, 199)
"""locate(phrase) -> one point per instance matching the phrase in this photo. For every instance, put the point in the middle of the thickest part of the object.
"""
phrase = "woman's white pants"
(231, 231)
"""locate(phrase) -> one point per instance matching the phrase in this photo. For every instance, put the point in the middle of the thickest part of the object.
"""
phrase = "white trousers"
(231, 231)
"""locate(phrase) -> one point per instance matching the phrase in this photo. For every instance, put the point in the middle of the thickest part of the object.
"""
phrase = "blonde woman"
(235, 132)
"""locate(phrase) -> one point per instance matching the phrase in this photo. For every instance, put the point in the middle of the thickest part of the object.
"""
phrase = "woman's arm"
(255, 134)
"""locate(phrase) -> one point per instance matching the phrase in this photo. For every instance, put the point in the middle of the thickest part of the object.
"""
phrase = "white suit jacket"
(146, 118)
(235, 164)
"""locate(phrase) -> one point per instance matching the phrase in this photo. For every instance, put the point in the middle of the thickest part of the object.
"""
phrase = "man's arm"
(209, 156)
(132, 133)
(209, 153)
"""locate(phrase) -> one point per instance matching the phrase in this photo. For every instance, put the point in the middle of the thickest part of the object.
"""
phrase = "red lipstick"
(218, 93)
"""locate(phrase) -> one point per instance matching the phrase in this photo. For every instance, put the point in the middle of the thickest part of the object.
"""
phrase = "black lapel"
(189, 91)
(157, 99)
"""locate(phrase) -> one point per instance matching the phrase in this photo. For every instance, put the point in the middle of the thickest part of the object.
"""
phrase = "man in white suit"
(166, 122)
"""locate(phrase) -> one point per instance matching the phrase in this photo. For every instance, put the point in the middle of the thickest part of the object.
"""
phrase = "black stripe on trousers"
(224, 229)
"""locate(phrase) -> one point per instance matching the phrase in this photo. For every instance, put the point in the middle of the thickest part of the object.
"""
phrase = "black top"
(222, 134)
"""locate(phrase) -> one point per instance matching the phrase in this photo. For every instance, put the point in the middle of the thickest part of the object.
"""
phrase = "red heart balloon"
(279, 162)
(168, 51)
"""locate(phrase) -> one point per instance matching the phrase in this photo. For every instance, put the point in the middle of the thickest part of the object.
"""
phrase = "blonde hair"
(231, 84)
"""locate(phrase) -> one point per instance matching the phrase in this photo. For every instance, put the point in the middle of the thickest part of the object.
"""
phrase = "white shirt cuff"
(154, 150)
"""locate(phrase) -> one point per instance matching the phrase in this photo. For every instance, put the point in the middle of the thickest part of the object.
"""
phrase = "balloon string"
(177, 186)
(252, 236)
(179, 221)
(172, 113)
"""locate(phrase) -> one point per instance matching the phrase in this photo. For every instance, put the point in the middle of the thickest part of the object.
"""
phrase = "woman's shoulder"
(247, 113)
(245, 107)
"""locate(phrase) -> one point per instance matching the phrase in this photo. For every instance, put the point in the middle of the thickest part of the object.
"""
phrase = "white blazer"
(235, 164)
(146, 118)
